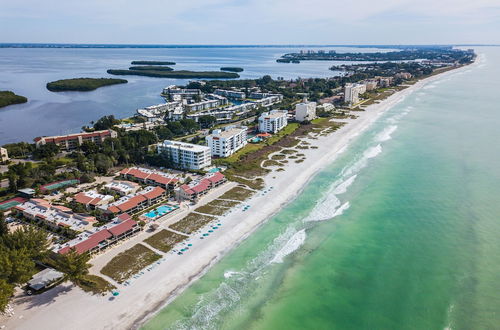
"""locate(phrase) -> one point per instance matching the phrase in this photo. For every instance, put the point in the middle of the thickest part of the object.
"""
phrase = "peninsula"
(152, 63)
(8, 98)
(231, 69)
(82, 84)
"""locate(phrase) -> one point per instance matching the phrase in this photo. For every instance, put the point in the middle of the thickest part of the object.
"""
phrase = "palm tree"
(74, 265)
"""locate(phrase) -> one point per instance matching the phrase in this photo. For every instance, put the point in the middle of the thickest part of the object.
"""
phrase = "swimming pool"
(214, 170)
(160, 211)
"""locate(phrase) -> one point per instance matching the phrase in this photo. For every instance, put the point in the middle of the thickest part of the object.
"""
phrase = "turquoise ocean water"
(402, 231)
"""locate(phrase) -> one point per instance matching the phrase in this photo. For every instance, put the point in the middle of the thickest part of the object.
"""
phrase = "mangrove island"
(82, 84)
(8, 98)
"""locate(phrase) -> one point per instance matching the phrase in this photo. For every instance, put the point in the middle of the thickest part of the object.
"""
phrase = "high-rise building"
(186, 155)
(223, 143)
(273, 121)
(305, 111)
(352, 92)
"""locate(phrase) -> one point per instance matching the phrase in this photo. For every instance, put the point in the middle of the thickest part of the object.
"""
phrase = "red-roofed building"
(134, 203)
(91, 199)
(151, 177)
(73, 141)
(121, 227)
(195, 189)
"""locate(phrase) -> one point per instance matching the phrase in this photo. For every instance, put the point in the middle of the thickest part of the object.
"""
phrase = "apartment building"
(273, 121)
(4, 155)
(305, 111)
(92, 199)
(151, 177)
(352, 92)
(224, 143)
(122, 188)
(136, 202)
(230, 94)
(99, 239)
(186, 155)
(73, 141)
(197, 188)
(41, 210)
(174, 93)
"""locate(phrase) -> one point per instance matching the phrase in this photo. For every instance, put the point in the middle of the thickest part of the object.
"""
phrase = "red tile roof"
(217, 177)
(124, 217)
(82, 198)
(122, 227)
(154, 193)
(90, 243)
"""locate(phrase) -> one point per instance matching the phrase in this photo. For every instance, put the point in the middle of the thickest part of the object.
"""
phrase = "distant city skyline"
(251, 22)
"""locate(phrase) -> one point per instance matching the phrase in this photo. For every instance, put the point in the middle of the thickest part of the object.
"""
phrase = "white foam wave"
(342, 187)
(341, 209)
(373, 152)
(230, 273)
(292, 245)
(386, 133)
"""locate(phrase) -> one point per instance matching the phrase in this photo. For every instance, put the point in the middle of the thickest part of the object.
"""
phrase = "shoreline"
(72, 303)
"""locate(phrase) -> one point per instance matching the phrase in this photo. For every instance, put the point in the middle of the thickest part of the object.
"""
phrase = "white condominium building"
(305, 111)
(352, 91)
(225, 143)
(273, 121)
(4, 155)
(186, 155)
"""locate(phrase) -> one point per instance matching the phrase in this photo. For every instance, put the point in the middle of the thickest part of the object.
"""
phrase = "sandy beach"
(68, 307)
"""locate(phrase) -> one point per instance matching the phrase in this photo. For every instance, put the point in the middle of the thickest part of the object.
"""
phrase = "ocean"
(399, 232)
(26, 71)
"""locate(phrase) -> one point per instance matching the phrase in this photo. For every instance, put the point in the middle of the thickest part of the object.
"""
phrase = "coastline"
(72, 303)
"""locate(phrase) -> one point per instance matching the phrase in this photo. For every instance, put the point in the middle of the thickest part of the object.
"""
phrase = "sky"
(251, 21)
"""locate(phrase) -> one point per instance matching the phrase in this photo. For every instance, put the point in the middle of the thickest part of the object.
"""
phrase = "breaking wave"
(341, 209)
(386, 133)
(292, 245)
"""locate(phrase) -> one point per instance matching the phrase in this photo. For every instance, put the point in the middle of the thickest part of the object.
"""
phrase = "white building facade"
(186, 155)
(305, 111)
(273, 121)
(227, 142)
(352, 92)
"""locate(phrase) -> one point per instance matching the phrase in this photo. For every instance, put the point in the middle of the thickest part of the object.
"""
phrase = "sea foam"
(293, 244)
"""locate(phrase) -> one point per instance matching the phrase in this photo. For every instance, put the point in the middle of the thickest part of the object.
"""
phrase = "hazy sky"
(250, 21)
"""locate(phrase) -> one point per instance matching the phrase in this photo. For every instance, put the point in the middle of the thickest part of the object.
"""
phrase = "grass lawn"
(237, 193)
(165, 240)
(212, 210)
(129, 262)
(191, 223)
(95, 284)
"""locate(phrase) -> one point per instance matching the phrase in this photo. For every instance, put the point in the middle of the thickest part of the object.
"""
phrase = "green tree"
(74, 265)
(6, 291)
(4, 229)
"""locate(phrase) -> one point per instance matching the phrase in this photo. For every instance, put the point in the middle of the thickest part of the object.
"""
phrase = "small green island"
(151, 68)
(152, 63)
(9, 98)
(231, 69)
(82, 84)
(181, 74)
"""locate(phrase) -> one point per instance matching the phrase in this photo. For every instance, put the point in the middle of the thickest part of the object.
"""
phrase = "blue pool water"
(160, 211)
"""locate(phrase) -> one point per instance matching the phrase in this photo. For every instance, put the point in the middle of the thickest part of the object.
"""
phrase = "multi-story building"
(403, 75)
(55, 216)
(150, 177)
(273, 121)
(197, 188)
(223, 143)
(4, 155)
(122, 188)
(186, 155)
(136, 202)
(305, 111)
(352, 92)
(100, 238)
(212, 101)
(371, 84)
(158, 112)
(385, 81)
(230, 94)
(73, 141)
(92, 199)
(174, 93)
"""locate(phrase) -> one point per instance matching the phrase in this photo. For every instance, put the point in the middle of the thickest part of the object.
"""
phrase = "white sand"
(67, 307)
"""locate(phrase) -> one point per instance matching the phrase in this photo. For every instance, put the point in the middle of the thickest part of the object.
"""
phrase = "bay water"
(402, 231)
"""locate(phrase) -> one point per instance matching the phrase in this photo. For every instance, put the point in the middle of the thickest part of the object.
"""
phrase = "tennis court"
(59, 184)
(10, 203)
